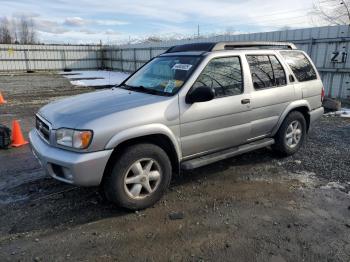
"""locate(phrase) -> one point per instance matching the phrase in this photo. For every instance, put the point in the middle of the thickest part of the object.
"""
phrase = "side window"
(266, 71)
(300, 65)
(224, 75)
(278, 72)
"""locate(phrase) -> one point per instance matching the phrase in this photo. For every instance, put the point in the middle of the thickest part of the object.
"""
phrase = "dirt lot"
(255, 207)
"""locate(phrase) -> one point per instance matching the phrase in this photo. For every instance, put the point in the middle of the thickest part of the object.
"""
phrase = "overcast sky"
(81, 21)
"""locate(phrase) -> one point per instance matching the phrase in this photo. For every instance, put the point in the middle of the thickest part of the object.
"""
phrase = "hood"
(73, 111)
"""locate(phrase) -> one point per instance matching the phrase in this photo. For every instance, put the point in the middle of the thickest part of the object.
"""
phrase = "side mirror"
(200, 94)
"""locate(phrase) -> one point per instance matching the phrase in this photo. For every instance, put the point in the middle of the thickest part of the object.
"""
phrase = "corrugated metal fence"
(49, 57)
(327, 46)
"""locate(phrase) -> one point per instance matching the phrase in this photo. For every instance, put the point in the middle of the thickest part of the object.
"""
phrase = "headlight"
(79, 139)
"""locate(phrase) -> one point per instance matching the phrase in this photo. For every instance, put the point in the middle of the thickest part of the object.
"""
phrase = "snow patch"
(344, 112)
(309, 179)
(95, 77)
(333, 185)
(338, 186)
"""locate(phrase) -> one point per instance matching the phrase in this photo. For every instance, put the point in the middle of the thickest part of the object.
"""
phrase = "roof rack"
(253, 45)
(208, 47)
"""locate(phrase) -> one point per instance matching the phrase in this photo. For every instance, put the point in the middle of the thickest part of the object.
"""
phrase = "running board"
(214, 157)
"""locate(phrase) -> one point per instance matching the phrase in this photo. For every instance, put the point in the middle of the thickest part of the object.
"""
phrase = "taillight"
(322, 94)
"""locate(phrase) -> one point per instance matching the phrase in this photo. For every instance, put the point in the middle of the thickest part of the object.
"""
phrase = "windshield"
(163, 75)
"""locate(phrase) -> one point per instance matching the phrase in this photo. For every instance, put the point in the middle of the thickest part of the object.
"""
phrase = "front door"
(222, 122)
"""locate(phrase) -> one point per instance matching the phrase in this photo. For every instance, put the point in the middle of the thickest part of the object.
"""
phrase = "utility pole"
(347, 9)
(198, 31)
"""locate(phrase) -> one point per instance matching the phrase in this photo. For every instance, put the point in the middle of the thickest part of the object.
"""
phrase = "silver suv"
(189, 107)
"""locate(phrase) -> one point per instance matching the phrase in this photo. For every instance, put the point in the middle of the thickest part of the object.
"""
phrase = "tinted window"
(278, 72)
(266, 71)
(300, 65)
(224, 75)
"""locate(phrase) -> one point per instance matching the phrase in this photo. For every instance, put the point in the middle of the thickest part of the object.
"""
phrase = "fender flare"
(287, 110)
(145, 130)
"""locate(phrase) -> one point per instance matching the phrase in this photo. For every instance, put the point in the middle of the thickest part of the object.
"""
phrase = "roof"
(218, 46)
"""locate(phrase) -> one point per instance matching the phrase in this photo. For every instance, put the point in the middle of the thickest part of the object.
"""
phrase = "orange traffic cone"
(2, 100)
(17, 136)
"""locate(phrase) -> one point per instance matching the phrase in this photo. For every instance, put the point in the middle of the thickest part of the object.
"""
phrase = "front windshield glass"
(163, 75)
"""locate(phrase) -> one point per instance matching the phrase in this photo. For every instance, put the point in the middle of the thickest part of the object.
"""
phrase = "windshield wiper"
(144, 90)
(124, 86)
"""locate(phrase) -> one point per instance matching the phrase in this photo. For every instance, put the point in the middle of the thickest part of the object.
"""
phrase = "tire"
(283, 145)
(138, 165)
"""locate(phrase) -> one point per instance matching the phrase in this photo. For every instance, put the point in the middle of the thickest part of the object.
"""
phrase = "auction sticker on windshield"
(184, 67)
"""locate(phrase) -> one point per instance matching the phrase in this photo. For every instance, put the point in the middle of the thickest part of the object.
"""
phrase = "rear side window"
(300, 65)
(224, 75)
(266, 71)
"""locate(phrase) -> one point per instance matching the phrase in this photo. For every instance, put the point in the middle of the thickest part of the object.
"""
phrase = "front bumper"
(83, 169)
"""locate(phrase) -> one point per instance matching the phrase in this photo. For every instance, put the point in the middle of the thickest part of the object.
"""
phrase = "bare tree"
(333, 12)
(23, 31)
(6, 36)
(26, 31)
(32, 32)
(17, 30)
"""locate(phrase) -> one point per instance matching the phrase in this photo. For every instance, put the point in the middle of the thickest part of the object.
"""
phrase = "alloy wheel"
(293, 134)
(142, 178)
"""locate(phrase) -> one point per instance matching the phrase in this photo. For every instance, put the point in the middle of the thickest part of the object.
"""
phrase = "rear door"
(271, 93)
(222, 122)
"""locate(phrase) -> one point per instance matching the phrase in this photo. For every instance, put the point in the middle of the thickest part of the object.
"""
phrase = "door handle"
(245, 101)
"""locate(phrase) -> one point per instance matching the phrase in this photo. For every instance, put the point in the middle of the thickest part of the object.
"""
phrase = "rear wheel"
(291, 134)
(139, 178)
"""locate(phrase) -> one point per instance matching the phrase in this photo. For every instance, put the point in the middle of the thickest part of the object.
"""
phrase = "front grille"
(42, 128)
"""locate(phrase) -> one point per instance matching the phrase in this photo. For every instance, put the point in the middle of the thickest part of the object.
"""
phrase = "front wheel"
(139, 178)
(291, 134)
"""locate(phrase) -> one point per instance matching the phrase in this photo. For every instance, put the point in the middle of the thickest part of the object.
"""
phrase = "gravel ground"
(254, 207)
(327, 151)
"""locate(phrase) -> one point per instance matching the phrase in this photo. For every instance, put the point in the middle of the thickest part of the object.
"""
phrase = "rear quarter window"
(266, 71)
(300, 65)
